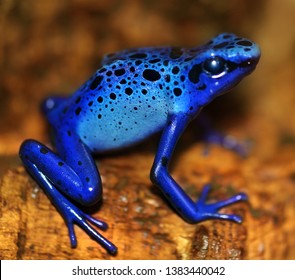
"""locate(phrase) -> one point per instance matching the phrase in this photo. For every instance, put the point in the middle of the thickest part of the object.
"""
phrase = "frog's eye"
(216, 66)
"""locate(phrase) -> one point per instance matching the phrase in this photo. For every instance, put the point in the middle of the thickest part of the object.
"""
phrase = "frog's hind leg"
(70, 173)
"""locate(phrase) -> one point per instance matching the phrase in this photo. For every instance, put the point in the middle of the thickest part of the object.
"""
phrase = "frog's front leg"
(69, 173)
(210, 135)
(191, 211)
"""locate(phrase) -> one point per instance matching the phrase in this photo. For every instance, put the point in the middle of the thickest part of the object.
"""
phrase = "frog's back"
(125, 101)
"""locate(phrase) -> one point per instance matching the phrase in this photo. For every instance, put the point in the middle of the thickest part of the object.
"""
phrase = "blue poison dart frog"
(134, 94)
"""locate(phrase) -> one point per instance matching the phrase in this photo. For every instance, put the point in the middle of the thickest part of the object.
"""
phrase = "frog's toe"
(72, 235)
(229, 217)
(100, 224)
(83, 220)
(210, 211)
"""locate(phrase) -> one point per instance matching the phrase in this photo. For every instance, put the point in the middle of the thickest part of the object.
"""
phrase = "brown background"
(54, 46)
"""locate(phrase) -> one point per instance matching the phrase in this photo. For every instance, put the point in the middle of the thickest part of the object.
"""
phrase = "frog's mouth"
(248, 65)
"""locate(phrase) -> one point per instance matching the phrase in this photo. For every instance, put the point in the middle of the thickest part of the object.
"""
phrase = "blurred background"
(54, 46)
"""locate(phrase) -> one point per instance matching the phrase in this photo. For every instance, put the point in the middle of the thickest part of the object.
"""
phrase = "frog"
(135, 93)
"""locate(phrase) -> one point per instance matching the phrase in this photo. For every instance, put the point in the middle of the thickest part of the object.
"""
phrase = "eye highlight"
(215, 66)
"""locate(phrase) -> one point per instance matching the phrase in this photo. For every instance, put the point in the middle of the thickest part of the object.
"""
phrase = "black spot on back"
(120, 72)
(100, 99)
(113, 96)
(78, 111)
(166, 62)
(96, 82)
(151, 75)
(128, 91)
(175, 70)
(167, 78)
(177, 91)
(154, 60)
(138, 62)
(138, 55)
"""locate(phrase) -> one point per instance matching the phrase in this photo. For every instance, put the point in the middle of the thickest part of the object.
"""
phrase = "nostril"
(249, 62)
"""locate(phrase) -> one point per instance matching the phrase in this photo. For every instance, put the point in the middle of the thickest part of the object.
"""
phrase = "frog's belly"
(106, 133)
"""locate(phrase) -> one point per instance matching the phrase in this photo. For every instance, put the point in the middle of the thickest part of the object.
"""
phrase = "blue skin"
(134, 94)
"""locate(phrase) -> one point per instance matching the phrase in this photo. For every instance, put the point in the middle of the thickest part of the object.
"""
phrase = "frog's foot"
(73, 215)
(210, 211)
(229, 142)
(212, 136)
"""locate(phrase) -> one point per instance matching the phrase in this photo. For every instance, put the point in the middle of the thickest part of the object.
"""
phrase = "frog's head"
(221, 64)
